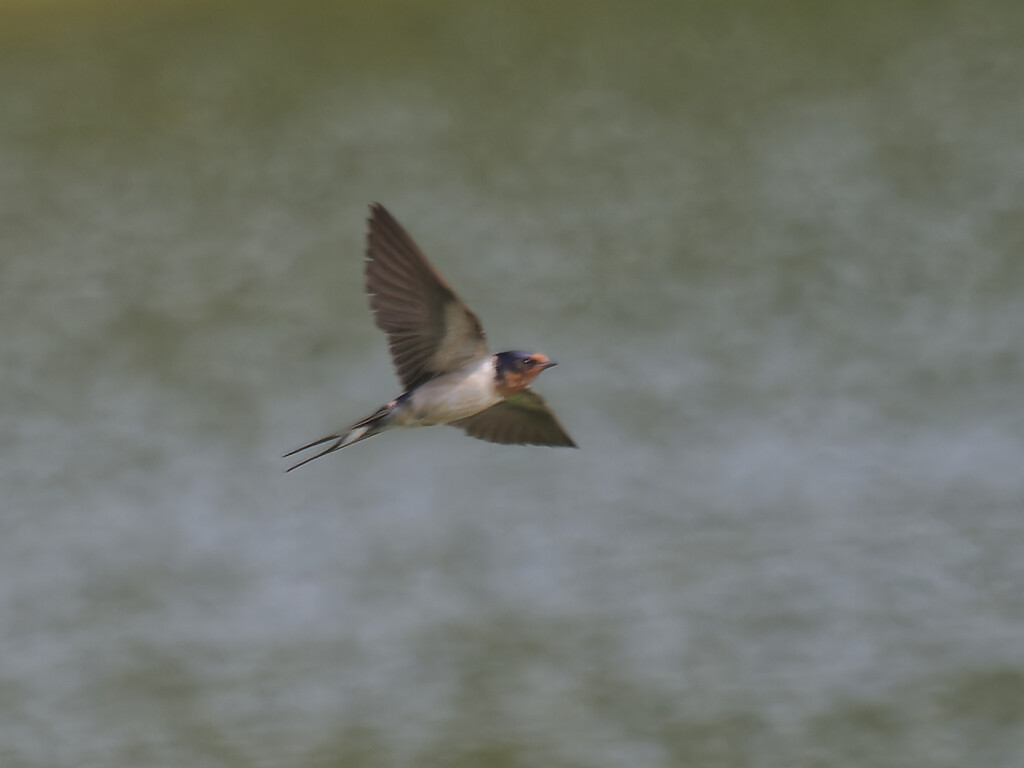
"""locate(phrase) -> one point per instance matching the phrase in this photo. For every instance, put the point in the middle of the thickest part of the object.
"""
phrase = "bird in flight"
(440, 353)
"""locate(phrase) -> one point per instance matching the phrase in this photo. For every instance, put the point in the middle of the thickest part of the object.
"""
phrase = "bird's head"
(515, 370)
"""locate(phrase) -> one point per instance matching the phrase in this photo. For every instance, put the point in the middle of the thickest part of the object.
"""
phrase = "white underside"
(453, 396)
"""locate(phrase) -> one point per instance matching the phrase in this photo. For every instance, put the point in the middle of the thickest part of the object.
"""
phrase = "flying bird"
(440, 354)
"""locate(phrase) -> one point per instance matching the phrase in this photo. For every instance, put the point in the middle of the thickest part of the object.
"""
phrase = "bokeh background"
(778, 249)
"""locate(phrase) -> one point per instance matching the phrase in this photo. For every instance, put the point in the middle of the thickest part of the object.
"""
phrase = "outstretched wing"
(522, 418)
(430, 330)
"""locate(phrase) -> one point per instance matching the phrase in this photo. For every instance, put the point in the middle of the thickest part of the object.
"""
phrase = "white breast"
(455, 395)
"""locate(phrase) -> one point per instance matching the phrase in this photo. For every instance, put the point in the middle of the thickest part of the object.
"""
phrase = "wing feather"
(523, 418)
(430, 330)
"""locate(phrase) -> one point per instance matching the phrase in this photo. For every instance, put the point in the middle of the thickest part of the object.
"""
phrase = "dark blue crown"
(507, 360)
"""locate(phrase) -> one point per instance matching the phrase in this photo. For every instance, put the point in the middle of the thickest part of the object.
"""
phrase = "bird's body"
(450, 397)
(440, 353)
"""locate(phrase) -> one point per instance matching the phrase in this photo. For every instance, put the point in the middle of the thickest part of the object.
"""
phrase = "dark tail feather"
(368, 427)
(315, 442)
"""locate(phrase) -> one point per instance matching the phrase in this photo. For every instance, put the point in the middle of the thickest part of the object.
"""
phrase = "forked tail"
(368, 427)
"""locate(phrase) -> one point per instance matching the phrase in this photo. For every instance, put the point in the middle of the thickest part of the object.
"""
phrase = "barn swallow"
(440, 354)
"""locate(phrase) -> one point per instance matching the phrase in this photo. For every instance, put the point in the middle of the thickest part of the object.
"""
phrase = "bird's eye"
(527, 361)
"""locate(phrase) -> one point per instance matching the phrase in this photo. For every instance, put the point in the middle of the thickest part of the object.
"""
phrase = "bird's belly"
(448, 398)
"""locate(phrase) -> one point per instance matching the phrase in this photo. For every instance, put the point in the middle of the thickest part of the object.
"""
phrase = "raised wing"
(430, 330)
(523, 418)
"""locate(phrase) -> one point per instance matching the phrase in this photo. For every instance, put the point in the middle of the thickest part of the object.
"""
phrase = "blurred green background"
(777, 251)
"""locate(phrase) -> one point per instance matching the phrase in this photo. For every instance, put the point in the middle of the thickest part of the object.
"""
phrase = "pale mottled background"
(778, 249)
